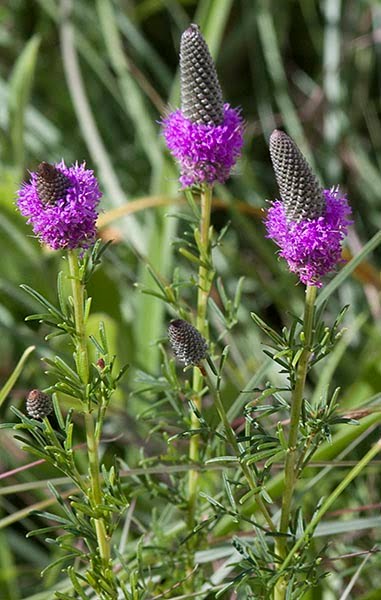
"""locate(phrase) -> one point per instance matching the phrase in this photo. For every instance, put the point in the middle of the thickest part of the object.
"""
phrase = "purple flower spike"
(312, 248)
(61, 205)
(206, 153)
(310, 223)
(206, 135)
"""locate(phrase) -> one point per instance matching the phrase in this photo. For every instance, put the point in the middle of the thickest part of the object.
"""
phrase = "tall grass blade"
(20, 86)
(11, 381)
(344, 273)
(134, 100)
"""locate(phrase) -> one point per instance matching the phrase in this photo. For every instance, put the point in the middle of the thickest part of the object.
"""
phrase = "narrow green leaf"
(42, 300)
(134, 100)
(373, 243)
(9, 384)
(229, 492)
(20, 85)
(212, 15)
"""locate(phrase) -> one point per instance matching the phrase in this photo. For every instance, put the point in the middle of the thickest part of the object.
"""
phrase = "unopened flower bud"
(38, 404)
(101, 364)
(188, 345)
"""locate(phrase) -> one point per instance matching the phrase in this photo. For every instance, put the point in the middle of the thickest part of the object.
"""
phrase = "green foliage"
(311, 68)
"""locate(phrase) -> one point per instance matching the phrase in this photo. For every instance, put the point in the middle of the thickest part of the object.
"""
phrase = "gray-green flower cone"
(201, 95)
(302, 195)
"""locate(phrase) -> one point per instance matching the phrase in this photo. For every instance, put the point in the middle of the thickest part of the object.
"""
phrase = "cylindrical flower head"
(309, 223)
(61, 205)
(301, 193)
(38, 404)
(206, 135)
(188, 345)
(201, 94)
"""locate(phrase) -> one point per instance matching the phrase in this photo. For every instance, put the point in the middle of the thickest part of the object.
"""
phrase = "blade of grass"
(348, 269)
(20, 85)
(24, 512)
(345, 595)
(353, 474)
(333, 121)
(18, 240)
(273, 59)
(212, 16)
(133, 98)
(335, 527)
(367, 172)
(9, 384)
(9, 583)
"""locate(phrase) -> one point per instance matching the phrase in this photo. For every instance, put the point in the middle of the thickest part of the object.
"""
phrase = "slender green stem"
(292, 450)
(81, 354)
(280, 589)
(244, 466)
(205, 279)
(353, 473)
(82, 361)
(296, 407)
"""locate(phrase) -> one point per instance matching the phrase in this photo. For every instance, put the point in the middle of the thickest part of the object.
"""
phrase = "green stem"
(292, 450)
(296, 407)
(205, 278)
(375, 449)
(244, 466)
(82, 361)
(81, 354)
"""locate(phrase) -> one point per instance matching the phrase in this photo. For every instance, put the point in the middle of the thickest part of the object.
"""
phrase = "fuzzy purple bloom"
(205, 153)
(67, 221)
(311, 247)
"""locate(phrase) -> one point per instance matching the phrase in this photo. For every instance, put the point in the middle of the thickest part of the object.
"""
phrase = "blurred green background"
(90, 80)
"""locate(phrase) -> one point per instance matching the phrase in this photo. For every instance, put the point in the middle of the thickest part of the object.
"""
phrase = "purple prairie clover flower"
(60, 203)
(309, 223)
(206, 135)
(312, 247)
(206, 153)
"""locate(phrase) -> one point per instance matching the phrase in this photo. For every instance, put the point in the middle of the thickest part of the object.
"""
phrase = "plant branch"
(244, 466)
(375, 449)
(82, 362)
(296, 406)
(205, 278)
(290, 471)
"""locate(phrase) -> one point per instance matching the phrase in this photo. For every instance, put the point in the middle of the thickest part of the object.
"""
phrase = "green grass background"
(90, 80)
